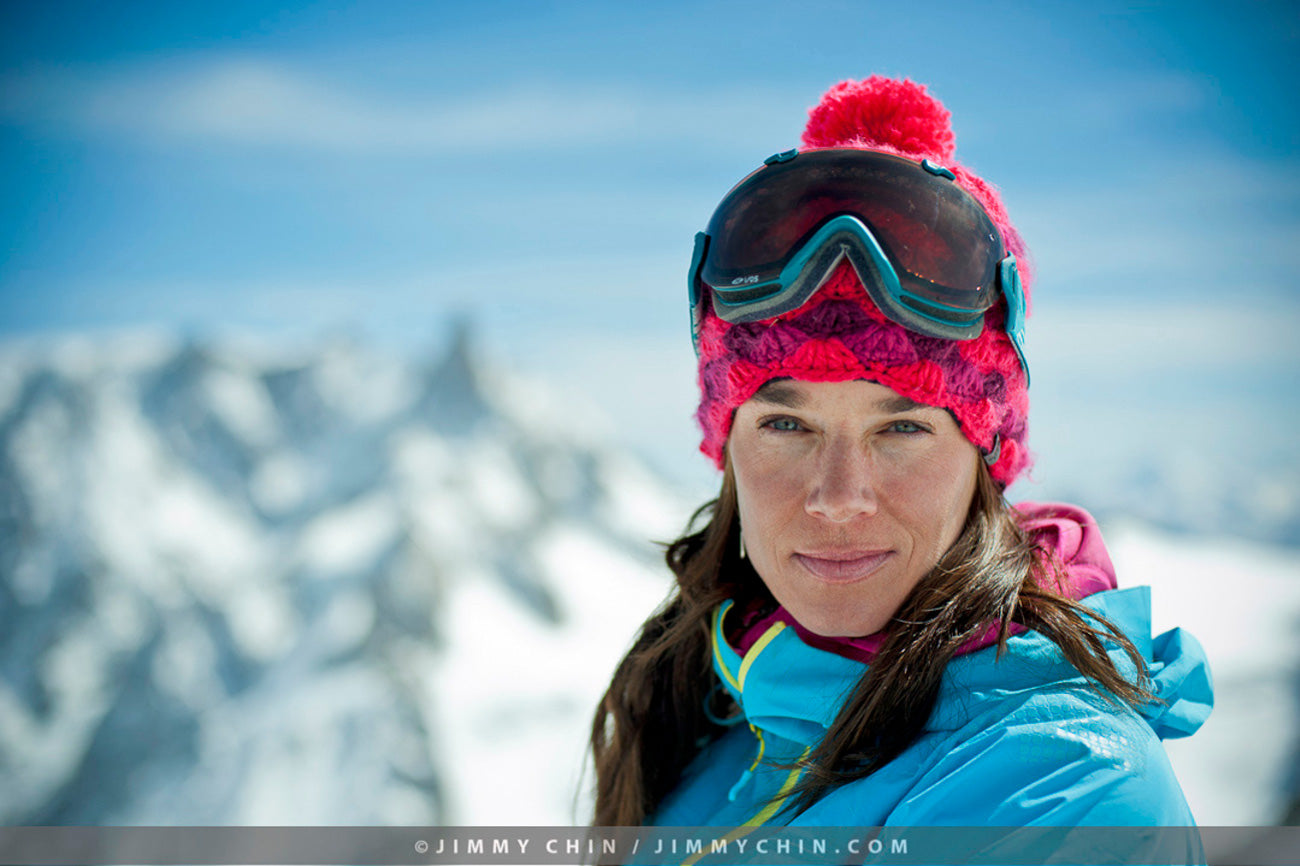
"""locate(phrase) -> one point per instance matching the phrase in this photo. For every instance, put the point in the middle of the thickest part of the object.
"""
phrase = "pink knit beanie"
(840, 334)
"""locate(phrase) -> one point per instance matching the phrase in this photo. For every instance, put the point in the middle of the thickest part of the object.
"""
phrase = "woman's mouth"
(843, 566)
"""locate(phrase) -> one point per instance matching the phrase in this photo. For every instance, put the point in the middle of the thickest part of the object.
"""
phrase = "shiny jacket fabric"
(1020, 740)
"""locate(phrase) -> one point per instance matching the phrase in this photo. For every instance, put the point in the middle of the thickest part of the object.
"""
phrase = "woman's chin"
(835, 622)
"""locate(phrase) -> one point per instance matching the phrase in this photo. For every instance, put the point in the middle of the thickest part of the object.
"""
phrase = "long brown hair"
(652, 720)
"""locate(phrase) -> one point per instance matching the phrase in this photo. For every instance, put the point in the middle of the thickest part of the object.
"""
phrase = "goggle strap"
(695, 291)
(697, 261)
(1014, 293)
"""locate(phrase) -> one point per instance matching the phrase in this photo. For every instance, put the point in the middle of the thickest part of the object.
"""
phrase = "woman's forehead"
(796, 394)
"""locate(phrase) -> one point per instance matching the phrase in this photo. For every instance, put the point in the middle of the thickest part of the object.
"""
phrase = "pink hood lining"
(1067, 532)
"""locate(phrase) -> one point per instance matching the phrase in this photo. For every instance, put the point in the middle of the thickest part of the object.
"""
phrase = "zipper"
(773, 806)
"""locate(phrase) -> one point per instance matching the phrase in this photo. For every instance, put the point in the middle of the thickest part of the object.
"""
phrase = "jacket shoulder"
(1067, 754)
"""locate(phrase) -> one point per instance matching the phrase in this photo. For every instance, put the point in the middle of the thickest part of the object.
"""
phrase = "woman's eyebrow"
(899, 403)
(779, 393)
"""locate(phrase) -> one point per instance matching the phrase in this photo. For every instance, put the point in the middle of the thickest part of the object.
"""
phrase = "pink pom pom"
(883, 113)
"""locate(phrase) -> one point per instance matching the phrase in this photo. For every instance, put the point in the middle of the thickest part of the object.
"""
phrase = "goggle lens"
(942, 243)
(924, 248)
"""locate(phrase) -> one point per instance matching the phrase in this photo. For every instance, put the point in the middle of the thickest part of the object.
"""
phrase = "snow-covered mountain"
(329, 590)
(242, 587)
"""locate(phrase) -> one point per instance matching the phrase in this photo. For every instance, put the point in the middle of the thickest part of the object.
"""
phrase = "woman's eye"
(784, 425)
(906, 427)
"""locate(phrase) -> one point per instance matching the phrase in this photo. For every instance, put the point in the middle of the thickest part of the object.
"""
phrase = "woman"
(864, 632)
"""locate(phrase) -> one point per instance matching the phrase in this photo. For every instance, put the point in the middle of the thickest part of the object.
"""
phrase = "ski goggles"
(926, 251)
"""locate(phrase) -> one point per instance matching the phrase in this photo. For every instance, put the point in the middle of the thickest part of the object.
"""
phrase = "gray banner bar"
(543, 846)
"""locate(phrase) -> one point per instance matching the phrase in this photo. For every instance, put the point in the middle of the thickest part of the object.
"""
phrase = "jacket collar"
(793, 690)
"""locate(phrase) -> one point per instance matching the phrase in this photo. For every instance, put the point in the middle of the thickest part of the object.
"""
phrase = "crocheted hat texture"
(840, 335)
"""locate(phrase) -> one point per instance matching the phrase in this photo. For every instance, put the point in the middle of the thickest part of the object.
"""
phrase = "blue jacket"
(1021, 740)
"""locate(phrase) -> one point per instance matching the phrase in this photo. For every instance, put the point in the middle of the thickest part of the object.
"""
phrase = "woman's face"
(848, 495)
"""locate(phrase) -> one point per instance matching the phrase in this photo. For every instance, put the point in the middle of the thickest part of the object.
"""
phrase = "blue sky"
(297, 170)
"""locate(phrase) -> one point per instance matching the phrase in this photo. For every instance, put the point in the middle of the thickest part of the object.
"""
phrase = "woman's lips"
(845, 567)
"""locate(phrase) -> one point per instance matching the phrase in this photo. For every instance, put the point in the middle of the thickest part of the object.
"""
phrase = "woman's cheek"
(776, 475)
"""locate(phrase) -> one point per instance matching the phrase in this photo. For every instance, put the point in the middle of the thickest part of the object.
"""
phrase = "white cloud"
(1198, 223)
(258, 103)
(1150, 337)
(1129, 100)
(1088, 111)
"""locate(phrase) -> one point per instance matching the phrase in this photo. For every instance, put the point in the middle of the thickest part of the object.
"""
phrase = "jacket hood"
(1176, 664)
(794, 687)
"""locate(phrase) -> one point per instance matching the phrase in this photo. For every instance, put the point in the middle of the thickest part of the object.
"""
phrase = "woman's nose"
(844, 486)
